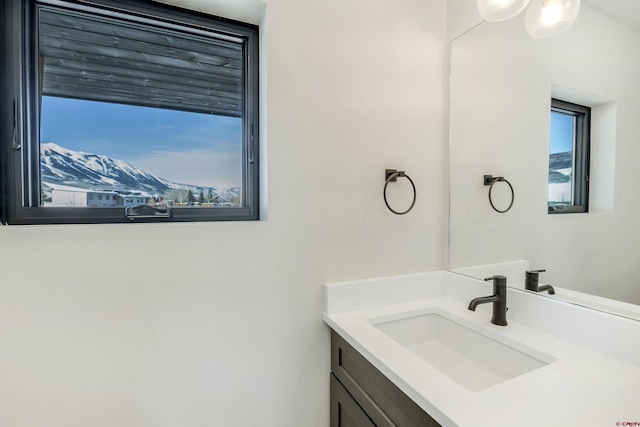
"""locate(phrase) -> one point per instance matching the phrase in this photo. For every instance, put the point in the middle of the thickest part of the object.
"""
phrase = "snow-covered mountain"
(63, 167)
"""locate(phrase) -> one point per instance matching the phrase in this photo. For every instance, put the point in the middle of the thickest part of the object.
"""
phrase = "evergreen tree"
(201, 197)
(191, 199)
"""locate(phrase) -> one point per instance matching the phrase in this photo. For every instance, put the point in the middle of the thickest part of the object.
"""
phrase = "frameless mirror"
(502, 84)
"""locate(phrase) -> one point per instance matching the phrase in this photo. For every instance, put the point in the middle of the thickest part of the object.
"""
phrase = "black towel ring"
(391, 175)
(490, 180)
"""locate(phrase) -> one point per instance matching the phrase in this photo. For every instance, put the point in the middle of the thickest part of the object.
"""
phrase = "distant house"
(101, 198)
(79, 197)
(131, 200)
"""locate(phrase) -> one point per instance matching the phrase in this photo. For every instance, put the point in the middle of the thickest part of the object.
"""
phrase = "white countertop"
(592, 382)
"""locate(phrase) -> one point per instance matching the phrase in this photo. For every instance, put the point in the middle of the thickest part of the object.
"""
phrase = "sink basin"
(465, 352)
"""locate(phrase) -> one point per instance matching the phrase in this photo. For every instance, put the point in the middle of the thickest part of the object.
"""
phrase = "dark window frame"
(19, 80)
(581, 156)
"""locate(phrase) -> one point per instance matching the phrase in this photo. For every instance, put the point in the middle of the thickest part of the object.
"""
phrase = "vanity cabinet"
(361, 396)
(345, 411)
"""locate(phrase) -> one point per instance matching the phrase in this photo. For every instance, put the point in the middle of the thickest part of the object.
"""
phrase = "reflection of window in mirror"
(569, 158)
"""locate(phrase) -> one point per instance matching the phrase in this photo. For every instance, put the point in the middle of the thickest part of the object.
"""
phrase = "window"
(154, 103)
(569, 158)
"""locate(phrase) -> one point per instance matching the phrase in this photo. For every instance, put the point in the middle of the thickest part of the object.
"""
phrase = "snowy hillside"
(64, 167)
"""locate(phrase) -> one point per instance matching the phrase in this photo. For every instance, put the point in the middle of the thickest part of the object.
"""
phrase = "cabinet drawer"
(345, 412)
(385, 404)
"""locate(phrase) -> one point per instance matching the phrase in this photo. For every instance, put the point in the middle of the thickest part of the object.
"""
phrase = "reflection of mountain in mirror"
(502, 82)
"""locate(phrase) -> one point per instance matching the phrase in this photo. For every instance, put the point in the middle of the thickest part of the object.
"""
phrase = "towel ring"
(491, 180)
(391, 175)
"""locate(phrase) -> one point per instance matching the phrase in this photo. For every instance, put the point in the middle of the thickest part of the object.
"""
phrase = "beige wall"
(219, 324)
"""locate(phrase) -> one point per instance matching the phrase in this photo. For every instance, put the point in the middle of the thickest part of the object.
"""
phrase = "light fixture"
(547, 18)
(500, 10)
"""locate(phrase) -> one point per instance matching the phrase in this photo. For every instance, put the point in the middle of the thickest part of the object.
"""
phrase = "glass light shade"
(547, 18)
(500, 10)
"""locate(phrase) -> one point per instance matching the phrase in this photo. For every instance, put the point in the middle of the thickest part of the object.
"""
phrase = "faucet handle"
(498, 280)
(533, 274)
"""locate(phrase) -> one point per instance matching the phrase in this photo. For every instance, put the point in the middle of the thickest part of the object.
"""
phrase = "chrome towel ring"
(491, 180)
(391, 175)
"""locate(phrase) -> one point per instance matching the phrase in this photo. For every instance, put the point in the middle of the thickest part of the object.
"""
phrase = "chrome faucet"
(531, 278)
(499, 300)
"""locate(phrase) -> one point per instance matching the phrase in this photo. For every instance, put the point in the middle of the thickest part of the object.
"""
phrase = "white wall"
(220, 324)
(502, 84)
(462, 16)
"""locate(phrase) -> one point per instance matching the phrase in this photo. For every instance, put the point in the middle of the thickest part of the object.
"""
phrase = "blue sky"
(561, 133)
(188, 148)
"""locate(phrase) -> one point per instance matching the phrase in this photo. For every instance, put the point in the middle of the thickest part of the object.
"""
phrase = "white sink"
(470, 354)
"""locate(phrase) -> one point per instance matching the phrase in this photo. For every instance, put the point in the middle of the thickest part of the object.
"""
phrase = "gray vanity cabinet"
(361, 396)
(345, 411)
